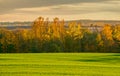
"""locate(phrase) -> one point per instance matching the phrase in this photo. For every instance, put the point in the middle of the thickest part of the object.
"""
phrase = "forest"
(57, 37)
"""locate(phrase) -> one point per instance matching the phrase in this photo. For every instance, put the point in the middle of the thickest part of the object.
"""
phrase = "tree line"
(57, 36)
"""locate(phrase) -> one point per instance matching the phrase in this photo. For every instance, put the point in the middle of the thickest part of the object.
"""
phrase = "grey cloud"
(72, 11)
(7, 6)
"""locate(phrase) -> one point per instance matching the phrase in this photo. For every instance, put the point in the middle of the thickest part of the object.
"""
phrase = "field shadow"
(87, 60)
(7, 59)
(116, 55)
(109, 58)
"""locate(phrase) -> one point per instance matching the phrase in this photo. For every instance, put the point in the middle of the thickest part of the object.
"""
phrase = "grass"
(60, 64)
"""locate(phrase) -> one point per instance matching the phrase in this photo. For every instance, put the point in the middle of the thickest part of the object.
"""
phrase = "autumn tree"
(55, 34)
(116, 37)
(7, 41)
(107, 38)
(60, 36)
(39, 29)
(99, 43)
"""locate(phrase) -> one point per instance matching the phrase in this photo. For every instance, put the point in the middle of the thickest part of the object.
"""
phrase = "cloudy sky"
(28, 10)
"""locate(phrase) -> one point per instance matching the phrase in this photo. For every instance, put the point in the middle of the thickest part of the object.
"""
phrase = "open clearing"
(60, 64)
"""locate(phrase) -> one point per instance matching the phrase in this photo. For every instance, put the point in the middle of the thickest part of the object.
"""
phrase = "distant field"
(60, 64)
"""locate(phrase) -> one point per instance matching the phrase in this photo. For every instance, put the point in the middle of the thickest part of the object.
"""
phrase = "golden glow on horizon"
(30, 17)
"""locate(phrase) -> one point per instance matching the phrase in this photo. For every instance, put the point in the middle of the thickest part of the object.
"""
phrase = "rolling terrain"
(60, 64)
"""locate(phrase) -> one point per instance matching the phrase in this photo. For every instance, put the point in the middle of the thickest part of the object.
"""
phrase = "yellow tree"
(24, 37)
(56, 33)
(73, 37)
(56, 28)
(107, 37)
(38, 27)
(8, 41)
(40, 31)
(116, 32)
(116, 37)
(107, 32)
(99, 42)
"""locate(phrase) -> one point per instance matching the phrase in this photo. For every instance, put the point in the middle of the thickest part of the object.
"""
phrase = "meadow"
(60, 64)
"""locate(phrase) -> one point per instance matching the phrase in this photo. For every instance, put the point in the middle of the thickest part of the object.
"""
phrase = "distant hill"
(84, 23)
(97, 22)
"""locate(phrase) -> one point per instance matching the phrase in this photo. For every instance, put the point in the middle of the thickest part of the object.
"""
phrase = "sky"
(29, 10)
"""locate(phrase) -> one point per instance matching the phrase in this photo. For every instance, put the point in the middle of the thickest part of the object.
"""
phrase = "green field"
(60, 64)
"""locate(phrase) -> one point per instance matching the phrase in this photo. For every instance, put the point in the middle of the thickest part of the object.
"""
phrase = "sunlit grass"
(60, 64)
